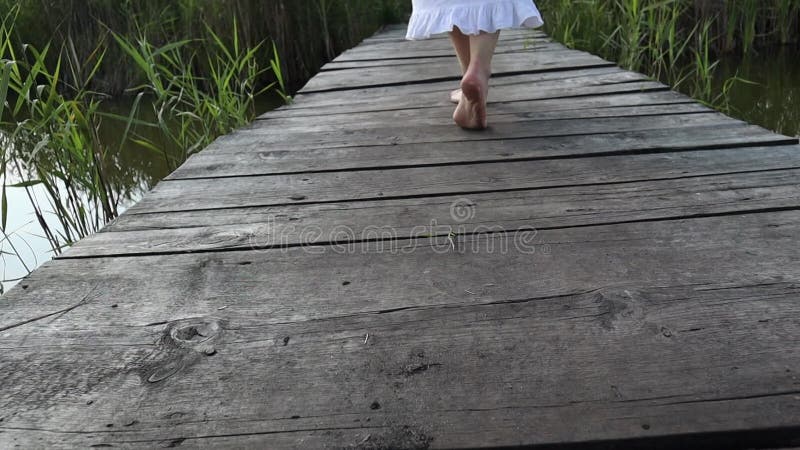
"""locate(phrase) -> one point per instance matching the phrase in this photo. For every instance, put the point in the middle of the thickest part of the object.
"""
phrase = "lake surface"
(771, 100)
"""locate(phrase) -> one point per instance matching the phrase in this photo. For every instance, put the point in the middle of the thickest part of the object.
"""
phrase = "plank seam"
(330, 243)
(447, 194)
(450, 78)
(661, 88)
(776, 142)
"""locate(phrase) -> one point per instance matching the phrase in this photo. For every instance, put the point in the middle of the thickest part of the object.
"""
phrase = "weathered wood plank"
(513, 128)
(441, 98)
(541, 80)
(514, 112)
(580, 76)
(533, 109)
(358, 56)
(502, 64)
(255, 160)
(399, 39)
(505, 91)
(388, 47)
(438, 48)
(675, 242)
(403, 219)
(181, 195)
(361, 59)
(456, 349)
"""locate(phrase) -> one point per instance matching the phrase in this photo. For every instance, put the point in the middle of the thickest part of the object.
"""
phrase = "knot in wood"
(184, 343)
(196, 333)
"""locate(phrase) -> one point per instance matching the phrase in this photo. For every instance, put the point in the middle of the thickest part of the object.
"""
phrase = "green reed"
(193, 107)
(675, 41)
(200, 65)
(200, 89)
(51, 141)
(751, 16)
(306, 33)
(787, 14)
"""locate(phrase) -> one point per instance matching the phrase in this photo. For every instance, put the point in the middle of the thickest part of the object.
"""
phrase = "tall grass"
(192, 69)
(675, 41)
(745, 25)
(193, 108)
(199, 89)
(51, 140)
(306, 33)
(740, 26)
(787, 15)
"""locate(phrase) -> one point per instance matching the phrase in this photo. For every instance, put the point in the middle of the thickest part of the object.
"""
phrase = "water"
(133, 170)
(773, 101)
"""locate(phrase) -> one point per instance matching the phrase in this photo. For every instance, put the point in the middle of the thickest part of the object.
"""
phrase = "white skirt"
(471, 16)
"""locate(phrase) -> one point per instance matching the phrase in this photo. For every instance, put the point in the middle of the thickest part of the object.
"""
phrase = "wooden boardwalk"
(610, 264)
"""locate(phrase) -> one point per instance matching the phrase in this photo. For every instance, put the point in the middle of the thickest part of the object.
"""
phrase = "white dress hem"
(474, 18)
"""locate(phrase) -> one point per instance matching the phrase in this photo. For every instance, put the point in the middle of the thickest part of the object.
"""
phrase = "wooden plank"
(400, 35)
(182, 195)
(578, 76)
(456, 349)
(254, 160)
(502, 64)
(439, 47)
(399, 39)
(621, 104)
(441, 98)
(412, 61)
(403, 60)
(358, 58)
(611, 105)
(404, 219)
(360, 55)
(513, 128)
(513, 113)
(425, 96)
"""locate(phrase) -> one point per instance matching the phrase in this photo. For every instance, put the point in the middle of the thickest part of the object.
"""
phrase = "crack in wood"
(58, 313)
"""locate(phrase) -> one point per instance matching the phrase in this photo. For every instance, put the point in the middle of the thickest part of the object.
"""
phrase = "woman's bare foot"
(471, 110)
(455, 96)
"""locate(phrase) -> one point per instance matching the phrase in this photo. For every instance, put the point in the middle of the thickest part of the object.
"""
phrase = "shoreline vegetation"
(189, 71)
(192, 70)
(679, 42)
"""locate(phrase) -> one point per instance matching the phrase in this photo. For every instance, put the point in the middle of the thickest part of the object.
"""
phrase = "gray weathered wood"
(438, 48)
(441, 98)
(506, 113)
(254, 161)
(563, 108)
(511, 89)
(576, 77)
(407, 55)
(455, 349)
(258, 137)
(397, 37)
(402, 219)
(502, 64)
(189, 194)
(360, 60)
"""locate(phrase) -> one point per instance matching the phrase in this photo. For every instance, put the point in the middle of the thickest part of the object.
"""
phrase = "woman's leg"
(461, 44)
(471, 110)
